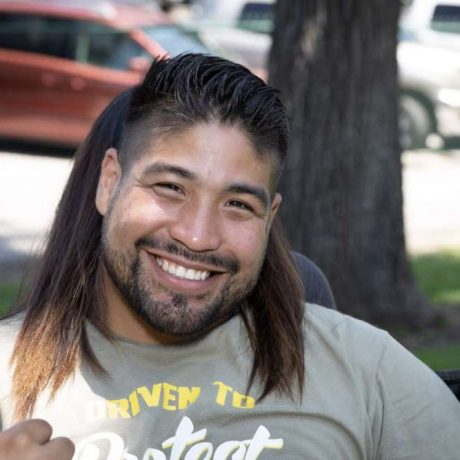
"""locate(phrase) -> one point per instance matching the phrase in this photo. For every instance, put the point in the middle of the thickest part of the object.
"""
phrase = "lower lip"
(194, 287)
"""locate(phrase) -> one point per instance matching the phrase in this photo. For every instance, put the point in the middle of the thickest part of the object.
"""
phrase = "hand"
(30, 440)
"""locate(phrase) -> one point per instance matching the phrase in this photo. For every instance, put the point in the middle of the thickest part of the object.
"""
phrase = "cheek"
(132, 220)
(249, 246)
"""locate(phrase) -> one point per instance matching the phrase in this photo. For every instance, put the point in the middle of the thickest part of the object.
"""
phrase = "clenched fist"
(30, 440)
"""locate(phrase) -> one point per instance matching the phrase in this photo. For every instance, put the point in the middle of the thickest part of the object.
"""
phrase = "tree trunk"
(335, 64)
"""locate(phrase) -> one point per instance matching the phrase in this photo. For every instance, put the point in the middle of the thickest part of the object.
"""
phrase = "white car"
(255, 15)
(429, 73)
(237, 29)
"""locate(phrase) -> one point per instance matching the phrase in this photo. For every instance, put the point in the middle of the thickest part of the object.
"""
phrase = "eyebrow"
(160, 167)
(258, 192)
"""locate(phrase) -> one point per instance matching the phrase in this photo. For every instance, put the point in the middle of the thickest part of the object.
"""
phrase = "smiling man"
(166, 320)
(184, 240)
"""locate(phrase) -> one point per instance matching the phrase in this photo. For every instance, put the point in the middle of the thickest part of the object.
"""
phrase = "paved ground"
(432, 200)
(30, 188)
(31, 185)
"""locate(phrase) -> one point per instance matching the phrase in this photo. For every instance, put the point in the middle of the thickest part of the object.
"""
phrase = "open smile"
(181, 272)
(182, 275)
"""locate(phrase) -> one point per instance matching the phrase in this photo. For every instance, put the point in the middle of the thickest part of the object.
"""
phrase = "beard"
(164, 310)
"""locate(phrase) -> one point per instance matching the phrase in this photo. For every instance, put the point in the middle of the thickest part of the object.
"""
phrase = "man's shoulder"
(331, 332)
(326, 321)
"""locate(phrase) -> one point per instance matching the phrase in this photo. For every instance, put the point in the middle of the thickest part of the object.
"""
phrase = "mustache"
(219, 262)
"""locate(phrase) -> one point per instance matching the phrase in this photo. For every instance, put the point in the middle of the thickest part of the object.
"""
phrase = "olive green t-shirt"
(365, 397)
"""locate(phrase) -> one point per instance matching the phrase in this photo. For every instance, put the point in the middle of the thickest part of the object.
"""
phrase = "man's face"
(185, 229)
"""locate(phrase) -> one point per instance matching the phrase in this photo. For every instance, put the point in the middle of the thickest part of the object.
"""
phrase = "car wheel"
(415, 123)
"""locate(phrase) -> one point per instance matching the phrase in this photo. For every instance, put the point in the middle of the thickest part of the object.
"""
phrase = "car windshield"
(175, 40)
(446, 18)
(257, 17)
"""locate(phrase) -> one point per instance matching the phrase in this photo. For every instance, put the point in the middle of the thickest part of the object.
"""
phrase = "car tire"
(415, 123)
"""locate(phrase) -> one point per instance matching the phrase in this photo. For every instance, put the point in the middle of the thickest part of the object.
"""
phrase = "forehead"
(212, 151)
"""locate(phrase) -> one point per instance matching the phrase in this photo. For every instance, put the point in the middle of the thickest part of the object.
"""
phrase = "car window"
(257, 17)
(105, 46)
(446, 18)
(38, 34)
(175, 40)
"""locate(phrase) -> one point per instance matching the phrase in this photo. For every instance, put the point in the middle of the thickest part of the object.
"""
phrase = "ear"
(276, 202)
(108, 180)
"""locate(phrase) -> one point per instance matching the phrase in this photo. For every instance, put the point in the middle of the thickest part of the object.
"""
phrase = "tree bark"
(335, 64)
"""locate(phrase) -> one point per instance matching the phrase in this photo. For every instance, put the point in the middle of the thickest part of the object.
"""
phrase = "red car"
(61, 62)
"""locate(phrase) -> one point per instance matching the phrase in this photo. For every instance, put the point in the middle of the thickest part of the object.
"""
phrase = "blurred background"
(62, 61)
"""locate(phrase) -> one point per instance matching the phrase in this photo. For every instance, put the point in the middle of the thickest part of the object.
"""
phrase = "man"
(166, 322)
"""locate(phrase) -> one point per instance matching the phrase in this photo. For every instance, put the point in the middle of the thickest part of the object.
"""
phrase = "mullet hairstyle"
(64, 293)
(176, 94)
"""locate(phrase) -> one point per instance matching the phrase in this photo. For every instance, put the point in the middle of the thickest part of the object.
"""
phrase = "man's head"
(189, 198)
(189, 108)
(193, 89)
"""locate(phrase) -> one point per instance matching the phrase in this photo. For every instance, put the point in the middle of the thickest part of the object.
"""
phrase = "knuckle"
(42, 423)
(66, 444)
(14, 443)
(40, 456)
(20, 440)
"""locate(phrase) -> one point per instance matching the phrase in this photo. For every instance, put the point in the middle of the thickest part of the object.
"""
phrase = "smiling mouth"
(182, 272)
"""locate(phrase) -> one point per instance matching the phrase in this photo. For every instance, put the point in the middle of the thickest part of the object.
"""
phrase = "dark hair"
(66, 292)
(194, 88)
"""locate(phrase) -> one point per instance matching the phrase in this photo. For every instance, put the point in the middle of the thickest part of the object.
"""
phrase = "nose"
(197, 227)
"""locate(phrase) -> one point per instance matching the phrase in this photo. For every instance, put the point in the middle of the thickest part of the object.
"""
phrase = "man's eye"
(240, 205)
(167, 187)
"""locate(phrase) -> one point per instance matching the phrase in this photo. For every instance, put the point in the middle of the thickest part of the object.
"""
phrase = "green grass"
(438, 358)
(8, 293)
(438, 275)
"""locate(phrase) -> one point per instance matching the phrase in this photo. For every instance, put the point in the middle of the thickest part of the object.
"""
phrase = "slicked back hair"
(176, 94)
(189, 89)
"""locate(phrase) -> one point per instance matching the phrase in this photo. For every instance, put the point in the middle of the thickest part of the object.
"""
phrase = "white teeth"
(190, 274)
(181, 272)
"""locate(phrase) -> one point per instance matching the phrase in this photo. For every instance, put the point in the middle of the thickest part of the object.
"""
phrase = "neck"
(124, 322)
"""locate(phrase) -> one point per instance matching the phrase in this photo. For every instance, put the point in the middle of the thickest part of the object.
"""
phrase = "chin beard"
(178, 316)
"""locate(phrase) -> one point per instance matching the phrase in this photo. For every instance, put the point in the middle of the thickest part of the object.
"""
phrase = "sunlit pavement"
(30, 189)
(432, 200)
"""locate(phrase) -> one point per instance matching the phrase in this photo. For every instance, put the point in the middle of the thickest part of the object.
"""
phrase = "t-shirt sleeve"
(8, 332)
(419, 415)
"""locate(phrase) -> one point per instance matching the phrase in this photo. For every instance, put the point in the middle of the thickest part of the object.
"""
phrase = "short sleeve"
(420, 417)
(8, 331)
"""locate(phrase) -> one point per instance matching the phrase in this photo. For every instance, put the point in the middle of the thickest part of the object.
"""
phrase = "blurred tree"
(335, 64)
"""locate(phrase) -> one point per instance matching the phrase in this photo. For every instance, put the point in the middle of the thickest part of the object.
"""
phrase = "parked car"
(61, 62)
(253, 15)
(168, 5)
(429, 73)
(237, 29)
